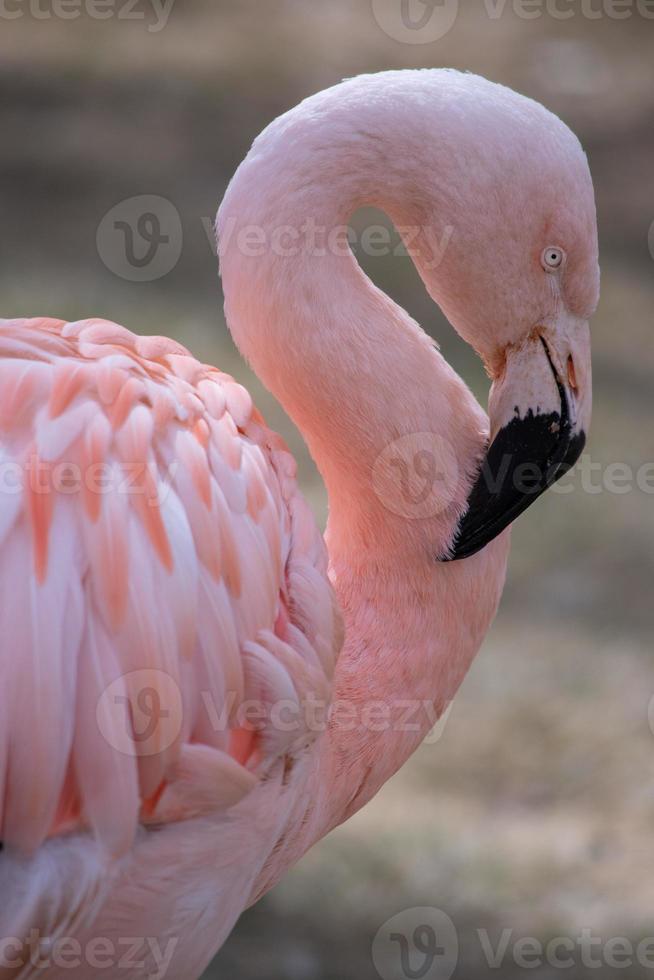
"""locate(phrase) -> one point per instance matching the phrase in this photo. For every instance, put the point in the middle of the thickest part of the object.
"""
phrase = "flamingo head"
(519, 280)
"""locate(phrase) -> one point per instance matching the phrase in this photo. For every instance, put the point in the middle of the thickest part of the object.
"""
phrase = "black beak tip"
(526, 458)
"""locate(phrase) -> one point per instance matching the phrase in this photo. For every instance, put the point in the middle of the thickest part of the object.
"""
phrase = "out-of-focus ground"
(535, 811)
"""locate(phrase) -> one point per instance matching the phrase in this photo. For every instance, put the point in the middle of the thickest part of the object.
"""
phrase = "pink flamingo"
(172, 619)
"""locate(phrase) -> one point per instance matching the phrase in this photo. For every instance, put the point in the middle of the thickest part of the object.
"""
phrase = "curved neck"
(385, 419)
(352, 369)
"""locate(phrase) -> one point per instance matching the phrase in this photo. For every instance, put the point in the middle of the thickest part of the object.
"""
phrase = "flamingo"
(175, 627)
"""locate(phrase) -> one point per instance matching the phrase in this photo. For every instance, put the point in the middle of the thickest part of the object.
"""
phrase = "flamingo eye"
(552, 258)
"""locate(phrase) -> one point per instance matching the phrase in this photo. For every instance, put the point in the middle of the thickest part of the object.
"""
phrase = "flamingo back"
(164, 587)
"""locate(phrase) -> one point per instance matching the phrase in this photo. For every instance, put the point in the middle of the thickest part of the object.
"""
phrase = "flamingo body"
(147, 504)
(196, 686)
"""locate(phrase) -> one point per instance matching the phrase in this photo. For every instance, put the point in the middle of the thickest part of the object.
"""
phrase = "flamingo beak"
(540, 410)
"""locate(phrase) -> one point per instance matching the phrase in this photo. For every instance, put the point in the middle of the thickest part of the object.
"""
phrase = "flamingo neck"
(383, 416)
(357, 375)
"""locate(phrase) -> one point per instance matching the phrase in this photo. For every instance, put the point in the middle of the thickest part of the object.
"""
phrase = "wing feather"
(161, 571)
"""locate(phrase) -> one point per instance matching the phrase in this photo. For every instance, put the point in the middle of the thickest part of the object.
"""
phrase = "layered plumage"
(143, 504)
(178, 721)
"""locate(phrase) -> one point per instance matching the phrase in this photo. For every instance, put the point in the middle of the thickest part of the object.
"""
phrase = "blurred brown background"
(535, 811)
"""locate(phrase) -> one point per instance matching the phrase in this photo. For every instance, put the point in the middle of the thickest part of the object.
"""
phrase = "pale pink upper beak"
(540, 410)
